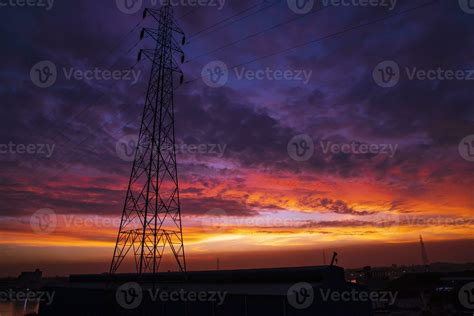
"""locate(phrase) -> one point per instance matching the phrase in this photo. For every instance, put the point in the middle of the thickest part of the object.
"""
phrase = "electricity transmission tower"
(151, 218)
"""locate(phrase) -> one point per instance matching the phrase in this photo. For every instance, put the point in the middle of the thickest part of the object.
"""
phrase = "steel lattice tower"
(151, 218)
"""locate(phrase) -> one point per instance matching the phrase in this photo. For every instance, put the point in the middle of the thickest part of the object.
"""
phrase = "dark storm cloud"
(64, 200)
(336, 206)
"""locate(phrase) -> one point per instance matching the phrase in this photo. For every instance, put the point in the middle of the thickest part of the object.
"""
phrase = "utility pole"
(151, 217)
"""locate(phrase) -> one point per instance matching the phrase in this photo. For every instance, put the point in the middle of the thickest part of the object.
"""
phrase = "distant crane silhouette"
(424, 255)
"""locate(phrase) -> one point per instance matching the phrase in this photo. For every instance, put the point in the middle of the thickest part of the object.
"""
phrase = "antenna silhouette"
(151, 218)
(334, 259)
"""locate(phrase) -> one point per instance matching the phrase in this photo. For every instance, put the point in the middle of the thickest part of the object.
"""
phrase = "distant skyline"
(304, 149)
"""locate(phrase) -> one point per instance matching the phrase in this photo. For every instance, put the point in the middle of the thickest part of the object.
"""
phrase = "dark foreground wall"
(272, 292)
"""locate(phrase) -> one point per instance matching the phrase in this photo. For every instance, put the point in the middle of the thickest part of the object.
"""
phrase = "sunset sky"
(244, 198)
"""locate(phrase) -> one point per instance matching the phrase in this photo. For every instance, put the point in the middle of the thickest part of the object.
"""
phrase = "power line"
(231, 17)
(87, 107)
(305, 44)
(189, 12)
(289, 49)
(88, 137)
(90, 151)
(320, 39)
(256, 34)
(327, 36)
(123, 37)
(109, 54)
(90, 134)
